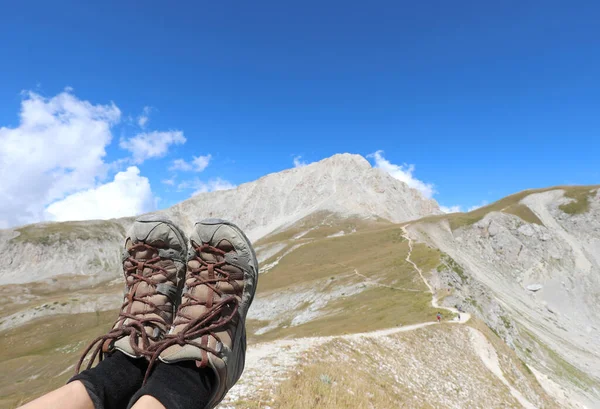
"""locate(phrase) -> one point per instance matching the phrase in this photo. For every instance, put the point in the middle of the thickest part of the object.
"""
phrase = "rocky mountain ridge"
(343, 184)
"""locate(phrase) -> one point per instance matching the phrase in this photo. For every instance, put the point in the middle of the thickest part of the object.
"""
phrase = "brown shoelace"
(135, 328)
(204, 325)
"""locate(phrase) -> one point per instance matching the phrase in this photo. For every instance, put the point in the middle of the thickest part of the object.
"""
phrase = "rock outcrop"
(536, 284)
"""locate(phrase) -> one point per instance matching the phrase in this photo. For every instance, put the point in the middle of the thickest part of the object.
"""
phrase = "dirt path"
(269, 363)
(464, 317)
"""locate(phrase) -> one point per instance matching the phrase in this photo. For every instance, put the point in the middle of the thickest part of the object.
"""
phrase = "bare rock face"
(535, 284)
(343, 184)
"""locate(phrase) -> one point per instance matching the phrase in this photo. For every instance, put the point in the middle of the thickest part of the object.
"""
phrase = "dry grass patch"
(376, 258)
(431, 367)
(34, 358)
(59, 290)
(325, 387)
(581, 200)
(60, 232)
(524, 213)
(322, 224)
(371, 252)
(370, 310)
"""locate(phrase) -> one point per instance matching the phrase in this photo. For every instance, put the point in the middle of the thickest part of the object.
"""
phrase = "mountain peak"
(345, 159)
(345, 184)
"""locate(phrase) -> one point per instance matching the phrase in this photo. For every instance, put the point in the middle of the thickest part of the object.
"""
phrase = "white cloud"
(201, 162)
(403, 173)
(129, 194)
(151, 144)
(198, 164)
(458, 208)
(483, 203)
(57, 149)
(170, 182)
(181, 164)
(203, 187)
(143, 119)
(450, 209)
(298, 162)
(213, 185)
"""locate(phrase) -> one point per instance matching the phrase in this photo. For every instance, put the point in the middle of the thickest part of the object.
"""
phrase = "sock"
(113, 381)
(179, 385)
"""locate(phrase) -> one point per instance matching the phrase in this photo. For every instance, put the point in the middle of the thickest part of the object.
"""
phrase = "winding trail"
(464, 316)
(268, 363)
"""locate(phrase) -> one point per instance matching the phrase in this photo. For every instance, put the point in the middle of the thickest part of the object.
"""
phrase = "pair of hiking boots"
(184, 300)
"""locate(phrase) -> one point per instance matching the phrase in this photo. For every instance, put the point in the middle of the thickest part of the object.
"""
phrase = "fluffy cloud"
(200, 186)
(57, 149)
(180, 164)
(128, 194)
(143, 119)
(212, 186)
(151, 144)
(198, 164)
(450, 209)
(456, 209)
(298, 162)
(403, 173)
(53, 163)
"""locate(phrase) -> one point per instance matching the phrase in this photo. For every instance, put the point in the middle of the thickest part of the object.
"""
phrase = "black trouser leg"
(179, 385)
(113, 381)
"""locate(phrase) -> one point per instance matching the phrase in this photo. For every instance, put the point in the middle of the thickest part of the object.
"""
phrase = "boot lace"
(210, 321)
(135, 327)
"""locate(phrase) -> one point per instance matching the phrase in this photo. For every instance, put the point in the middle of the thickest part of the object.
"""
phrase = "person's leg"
(70, 396)
(148, 402)
(113, 381)
(154, 260)
(180, 385)
(205, 350)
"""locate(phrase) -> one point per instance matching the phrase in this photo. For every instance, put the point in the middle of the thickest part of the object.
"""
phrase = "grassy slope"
(50, 233)
(378, 253)
(34, 358)
(511, 205)
(61, 290)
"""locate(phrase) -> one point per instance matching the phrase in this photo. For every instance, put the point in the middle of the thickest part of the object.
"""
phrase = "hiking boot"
(220, 282)
(154, 260)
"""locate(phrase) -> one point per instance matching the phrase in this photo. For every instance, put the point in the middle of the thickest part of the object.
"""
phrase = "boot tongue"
(225, 245)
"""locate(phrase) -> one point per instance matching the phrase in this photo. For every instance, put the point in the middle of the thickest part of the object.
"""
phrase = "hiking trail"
(269, 363)
(464, 316)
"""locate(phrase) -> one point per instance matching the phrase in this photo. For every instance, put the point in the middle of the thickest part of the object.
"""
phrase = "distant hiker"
(172, 346)
(459, 316)
(439, 317)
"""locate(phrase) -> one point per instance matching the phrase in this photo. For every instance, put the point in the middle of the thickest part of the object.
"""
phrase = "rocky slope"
(534, 279)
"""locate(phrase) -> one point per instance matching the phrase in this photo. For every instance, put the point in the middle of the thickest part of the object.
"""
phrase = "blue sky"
(484, 99)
